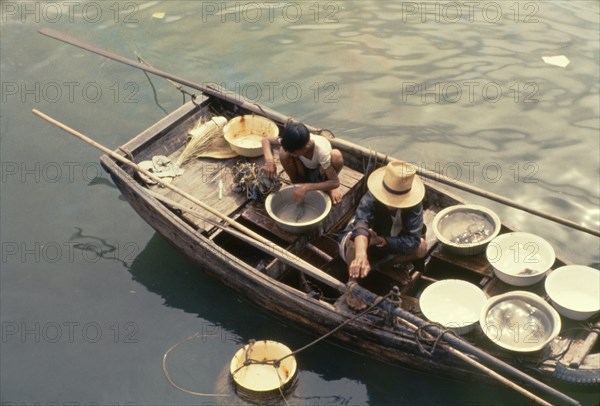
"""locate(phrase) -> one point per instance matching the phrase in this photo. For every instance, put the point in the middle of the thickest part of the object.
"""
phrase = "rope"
(369, 167)
(177, 86)
(258, 106)
(420, 335)
(170, 379)
(325, 133)
(281, 388)
(152, 86)
(276, 362)
(350, 320)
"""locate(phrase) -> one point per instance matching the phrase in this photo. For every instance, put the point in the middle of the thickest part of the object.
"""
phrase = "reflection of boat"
(316, 300)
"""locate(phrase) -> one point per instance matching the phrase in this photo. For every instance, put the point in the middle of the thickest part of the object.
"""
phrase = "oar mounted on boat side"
(259, 109)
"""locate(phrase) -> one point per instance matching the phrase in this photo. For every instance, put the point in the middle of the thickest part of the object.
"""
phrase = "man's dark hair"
(295, 136)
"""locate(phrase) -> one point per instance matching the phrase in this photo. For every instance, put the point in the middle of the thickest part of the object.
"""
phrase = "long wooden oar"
(458, 354)
(234, 98)
(438, 177)
(460, 344)
(465, 358)
(210, 89)
(274, 249)
(289, 258)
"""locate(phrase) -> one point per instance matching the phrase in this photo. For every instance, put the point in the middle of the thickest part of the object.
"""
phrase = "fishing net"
(251, 179)
(206, 140)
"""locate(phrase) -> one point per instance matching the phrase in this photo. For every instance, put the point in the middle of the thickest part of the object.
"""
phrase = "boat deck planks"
(474, 263)
(201, 179)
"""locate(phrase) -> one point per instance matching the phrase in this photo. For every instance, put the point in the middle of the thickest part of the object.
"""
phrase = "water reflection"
(94, 248)
(230, 324)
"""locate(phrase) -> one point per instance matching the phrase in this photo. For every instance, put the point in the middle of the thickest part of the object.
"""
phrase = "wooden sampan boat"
(301, 278)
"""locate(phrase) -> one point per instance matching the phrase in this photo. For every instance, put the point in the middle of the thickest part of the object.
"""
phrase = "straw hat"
(396, 185)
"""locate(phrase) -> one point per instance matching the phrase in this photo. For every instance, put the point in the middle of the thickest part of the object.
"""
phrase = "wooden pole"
(486, 370)
(304, 266)
(438, 177)
(210, 89)
(461, 344)
(288, 257)
(234, 98)
(474, 363)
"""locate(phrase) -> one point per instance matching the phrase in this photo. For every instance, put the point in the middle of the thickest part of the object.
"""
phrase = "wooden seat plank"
(474, 263)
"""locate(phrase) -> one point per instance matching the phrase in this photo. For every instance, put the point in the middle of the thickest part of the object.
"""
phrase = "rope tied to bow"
(422, 335)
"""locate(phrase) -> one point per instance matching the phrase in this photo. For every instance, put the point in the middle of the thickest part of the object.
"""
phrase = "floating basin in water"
(253, 372)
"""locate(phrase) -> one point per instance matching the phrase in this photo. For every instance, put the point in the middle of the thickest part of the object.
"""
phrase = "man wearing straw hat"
(387, 228)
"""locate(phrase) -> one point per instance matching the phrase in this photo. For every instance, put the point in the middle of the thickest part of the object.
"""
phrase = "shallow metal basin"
(519, 321)
(466, 229)
(281, 207)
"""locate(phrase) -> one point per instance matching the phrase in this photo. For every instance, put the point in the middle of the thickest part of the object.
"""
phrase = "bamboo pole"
(506, 382)
(210, 89)
(274, 249)
(458, 354)
(461, 344)
(236, 99)
(295, 262)
(438, 177)
(304, 266)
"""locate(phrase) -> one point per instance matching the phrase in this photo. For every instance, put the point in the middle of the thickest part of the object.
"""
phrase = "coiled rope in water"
(168, 375)
(273, 362)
